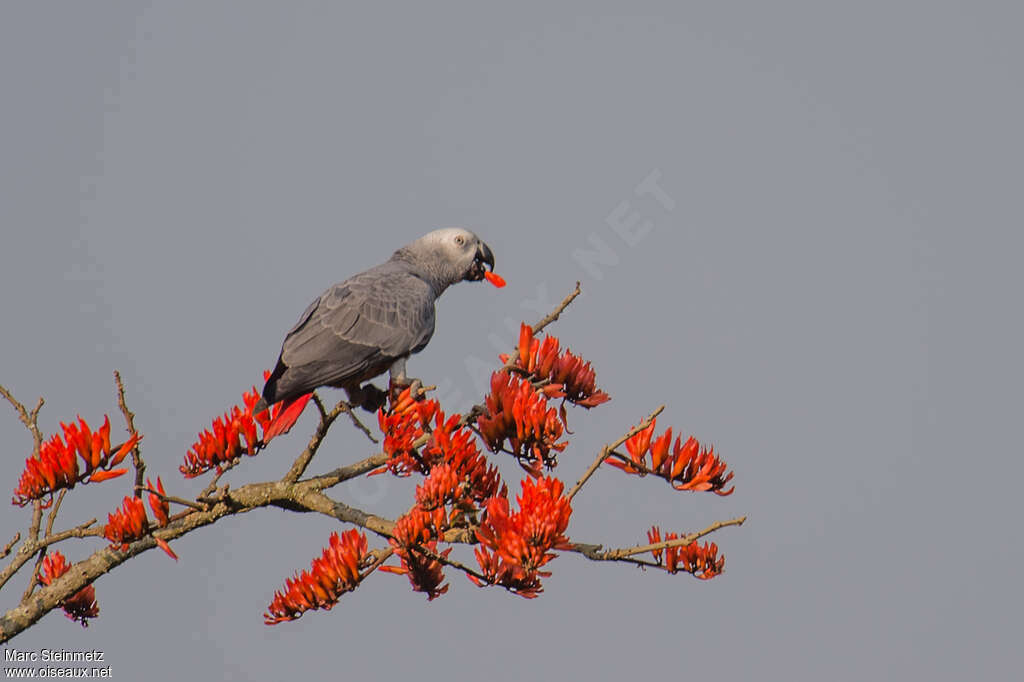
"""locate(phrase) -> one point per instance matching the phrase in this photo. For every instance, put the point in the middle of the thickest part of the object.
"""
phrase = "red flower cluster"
(80, 607)
(129, 523)
(331, 575)
(517, 406)
(233, 434)
(457, 476)
(701, 562)
(519, 413)
(522, 541)
(414, 532)
(402, 426)
(56, 466)
(687, 467)
(569, 376)
(459, 473)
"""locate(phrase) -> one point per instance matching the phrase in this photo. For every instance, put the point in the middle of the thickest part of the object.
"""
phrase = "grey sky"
(829, 292)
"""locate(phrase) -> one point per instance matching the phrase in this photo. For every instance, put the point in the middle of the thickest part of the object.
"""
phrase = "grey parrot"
(371, 323)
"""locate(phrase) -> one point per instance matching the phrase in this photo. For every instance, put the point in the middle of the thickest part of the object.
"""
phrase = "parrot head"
(451, 255)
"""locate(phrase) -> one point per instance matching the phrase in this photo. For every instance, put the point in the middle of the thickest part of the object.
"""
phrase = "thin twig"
(382, 555)
(221, 470)
(53, 512)
(10, 545)
(345, 407)
(27, 550)
(82, 530)
(129, 419)
(639, 466)
(436, 556)
(306, 456)
(319, 406)
(33, 416)
(345, 473)
(37, 520)
(30, 420)
(175, 500)
(35, 576)
(607, 450)
(20, 557)
(628, 552)
(42, 551)
(593, 552)
(358, 424)
(553, 315)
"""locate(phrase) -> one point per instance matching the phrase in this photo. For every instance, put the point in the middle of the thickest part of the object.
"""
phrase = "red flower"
(569, 375)
(457, 476)
(331, 575)
(159, 505)
(82, 605)
(522, 541)
(520, 414)
(457, 473)
(414, 532)
(233, 434)
(403, 425)
(638, 445)
(494, 278)
(56, 465)
(508, 575)
(701, 562)
(686, 467)
(417, 526)
(127, 524)
(425, 573)
(468, 477)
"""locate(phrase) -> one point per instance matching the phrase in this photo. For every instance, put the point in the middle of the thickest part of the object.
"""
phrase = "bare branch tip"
(10, 545)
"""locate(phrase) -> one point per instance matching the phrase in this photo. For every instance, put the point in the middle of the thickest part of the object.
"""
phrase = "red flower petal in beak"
(494, 279)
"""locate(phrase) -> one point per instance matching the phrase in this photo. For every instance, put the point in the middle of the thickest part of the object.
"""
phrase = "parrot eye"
(460, 240)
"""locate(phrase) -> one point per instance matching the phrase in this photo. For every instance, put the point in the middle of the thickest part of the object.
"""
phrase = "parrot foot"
(395, 388)
(368, 397)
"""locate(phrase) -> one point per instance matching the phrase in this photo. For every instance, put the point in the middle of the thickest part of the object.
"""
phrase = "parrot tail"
(285, 414)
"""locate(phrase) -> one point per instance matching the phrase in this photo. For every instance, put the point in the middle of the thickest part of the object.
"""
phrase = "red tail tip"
(286, 413)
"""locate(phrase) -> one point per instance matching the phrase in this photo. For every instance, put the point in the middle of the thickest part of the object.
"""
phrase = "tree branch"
(176, 500)
(607, 450)
(341, 474)
(29, 419)
(42, 553)
(26, 551)
(291, 492)
(594, 553)
(10, 545)
(326, 419)
(554, 314)
(129, 420)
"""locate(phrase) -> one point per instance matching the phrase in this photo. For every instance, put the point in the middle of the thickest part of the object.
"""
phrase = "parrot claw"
(395, 388)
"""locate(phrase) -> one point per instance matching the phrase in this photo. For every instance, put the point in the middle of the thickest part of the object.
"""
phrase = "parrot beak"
(484, 255)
